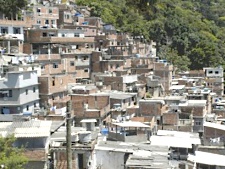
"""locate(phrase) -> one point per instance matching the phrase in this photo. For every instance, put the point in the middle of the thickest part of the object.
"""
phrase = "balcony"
(14, 23)
(82, 63)
(185, 122)
(49, 57)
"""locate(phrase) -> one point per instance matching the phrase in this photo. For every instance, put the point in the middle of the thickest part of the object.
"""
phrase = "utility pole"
(68, 135)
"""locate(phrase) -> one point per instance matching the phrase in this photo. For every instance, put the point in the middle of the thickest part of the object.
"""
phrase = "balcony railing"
(185, 122)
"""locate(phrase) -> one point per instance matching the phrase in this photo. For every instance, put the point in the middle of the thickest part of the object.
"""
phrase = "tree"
(12, 7)
(181, 63)
(195, 29)
(10, 156)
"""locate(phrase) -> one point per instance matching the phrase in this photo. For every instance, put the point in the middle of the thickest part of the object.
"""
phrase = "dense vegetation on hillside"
(184, 30)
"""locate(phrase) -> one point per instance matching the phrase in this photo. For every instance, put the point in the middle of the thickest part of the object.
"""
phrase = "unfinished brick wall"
(92, 114)
(115, 82)
(210, 132)
(96, 56)
(132, 110)
(140, 70)
(199, 111)
(27, 48)
(149, 108)
(170, 118)
(54, 84)
(101, 103)
(96, 67)
(44, 85)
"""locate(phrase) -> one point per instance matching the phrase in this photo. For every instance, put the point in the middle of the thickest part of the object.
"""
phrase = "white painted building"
(71, 33)
(19, 92)
(11, 30)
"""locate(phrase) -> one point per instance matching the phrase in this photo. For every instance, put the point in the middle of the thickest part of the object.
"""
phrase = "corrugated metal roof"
(32, 128)
(131, 124)
(207, 158)
(171, 141)
(32, 132)
(214, 125)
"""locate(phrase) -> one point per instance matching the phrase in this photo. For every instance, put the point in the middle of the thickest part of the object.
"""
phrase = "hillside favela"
(112, 84)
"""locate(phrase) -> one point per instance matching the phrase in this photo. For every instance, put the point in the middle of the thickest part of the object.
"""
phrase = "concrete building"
(128, 131)
(34, 137)
(45, 16)
(83, 143)
(120, 155)
(88, 103)
(180, 143)
(19, 92)
(196, 110)
(214, 79)
(165, 71)
(201, 160)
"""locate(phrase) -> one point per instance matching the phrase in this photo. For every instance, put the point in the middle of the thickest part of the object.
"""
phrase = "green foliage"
(148, 95)
(12, 7)
(10, 156)
(194, 29)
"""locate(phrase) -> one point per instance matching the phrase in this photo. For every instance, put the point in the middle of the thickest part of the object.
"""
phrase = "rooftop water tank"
(75, 137)
(84, 137)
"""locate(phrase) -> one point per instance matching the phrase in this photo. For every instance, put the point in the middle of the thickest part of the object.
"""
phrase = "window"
(51, 34)
(76, 34)
(35, 105)
(72, 63)
(38, 10)
(67, 16)
(210, 71)
(4, 30)
(47, 21)
(198, 123)
(38, 22)
(34, 89)
(5, 93)
(26, 91)
(53, 83)
(55, 65)
(42, 66)
(50, 11)
(27, 107)
(52, 22)
(63, 35)
(86, 70)
(16, 30)
(85, 57)
(216, 72)
(44, 34)
(10, 93)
